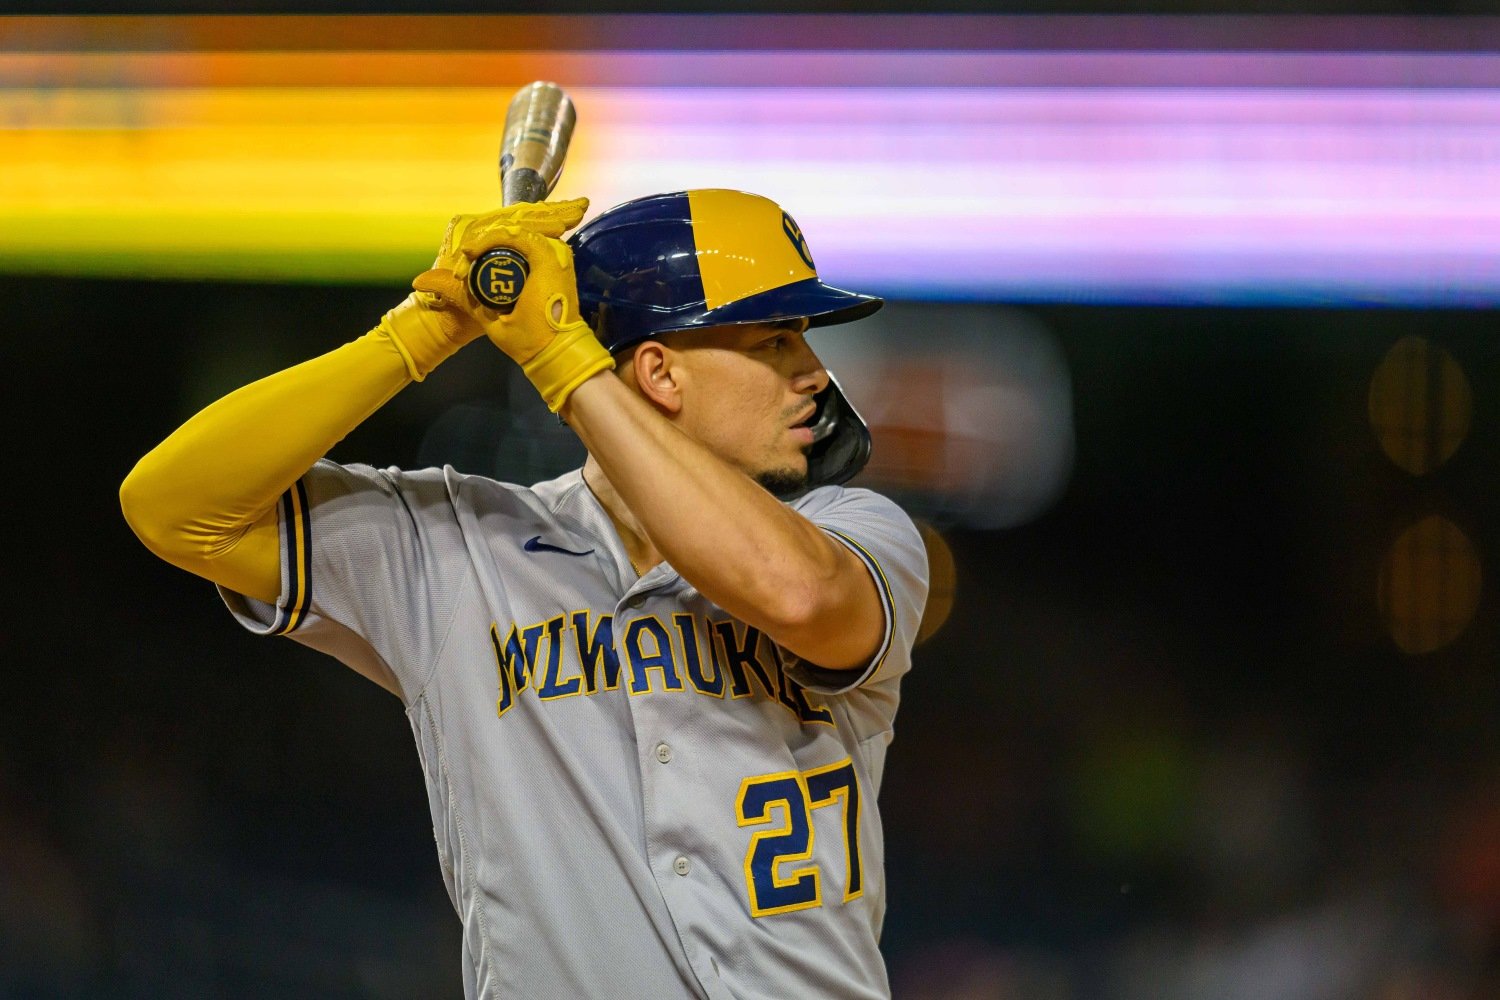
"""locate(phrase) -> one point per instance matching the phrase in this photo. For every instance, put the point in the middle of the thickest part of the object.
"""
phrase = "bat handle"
(538, 128)
(521, 184)
(497, 277)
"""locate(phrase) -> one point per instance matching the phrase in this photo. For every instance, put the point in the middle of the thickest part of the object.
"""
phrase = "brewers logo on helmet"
(705, 258)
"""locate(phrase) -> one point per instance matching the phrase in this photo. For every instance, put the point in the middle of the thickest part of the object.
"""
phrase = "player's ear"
(656, 370)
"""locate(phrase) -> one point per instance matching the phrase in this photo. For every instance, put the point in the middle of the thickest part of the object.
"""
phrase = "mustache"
(798, 413)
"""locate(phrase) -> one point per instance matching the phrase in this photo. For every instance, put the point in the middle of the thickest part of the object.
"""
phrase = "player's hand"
(549, 299)
(426, 330)
(544, 334)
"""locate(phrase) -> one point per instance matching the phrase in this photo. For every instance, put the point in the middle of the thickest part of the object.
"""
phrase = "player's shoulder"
(849, 501)
(444, 484)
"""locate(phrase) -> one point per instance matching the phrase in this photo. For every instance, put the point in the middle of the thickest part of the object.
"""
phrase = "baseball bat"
(538, 128)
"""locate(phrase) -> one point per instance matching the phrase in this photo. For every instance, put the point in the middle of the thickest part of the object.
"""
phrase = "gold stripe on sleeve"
(299, 554)
(886, 597)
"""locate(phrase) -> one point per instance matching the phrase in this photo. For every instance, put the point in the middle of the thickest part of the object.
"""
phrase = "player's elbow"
(834, 634)
(832, 617)
(146, 505)
(169, 514)
(136, 496)
(806, 603)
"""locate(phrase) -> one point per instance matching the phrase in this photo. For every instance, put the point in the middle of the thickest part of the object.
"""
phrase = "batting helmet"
(698, 259)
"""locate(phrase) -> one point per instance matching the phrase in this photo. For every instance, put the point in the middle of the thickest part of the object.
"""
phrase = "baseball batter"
(652, 697)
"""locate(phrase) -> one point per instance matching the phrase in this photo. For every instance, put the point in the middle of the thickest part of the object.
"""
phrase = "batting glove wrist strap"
(574, 356)
(426, 331)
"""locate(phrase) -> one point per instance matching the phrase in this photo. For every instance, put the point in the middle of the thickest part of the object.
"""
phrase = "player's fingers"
(479, 240)
(486, 234)
(552, 218)
(548, 218)
(442, 283)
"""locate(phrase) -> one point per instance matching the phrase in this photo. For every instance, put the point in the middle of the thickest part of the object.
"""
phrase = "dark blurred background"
(1215, 712)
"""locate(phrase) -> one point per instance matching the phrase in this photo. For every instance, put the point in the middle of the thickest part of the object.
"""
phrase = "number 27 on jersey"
(784, 804)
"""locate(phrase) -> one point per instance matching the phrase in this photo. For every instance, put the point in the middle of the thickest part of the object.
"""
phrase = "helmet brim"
(810, 299)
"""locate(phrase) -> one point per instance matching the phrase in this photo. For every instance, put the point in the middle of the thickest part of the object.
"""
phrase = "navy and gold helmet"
(698, 259)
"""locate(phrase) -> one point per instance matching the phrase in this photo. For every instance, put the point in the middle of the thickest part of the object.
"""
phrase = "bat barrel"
(538, 127)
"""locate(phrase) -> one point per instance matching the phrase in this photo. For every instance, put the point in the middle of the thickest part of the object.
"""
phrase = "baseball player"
(652, 697)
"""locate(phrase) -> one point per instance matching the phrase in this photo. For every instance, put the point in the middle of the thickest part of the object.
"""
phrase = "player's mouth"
(802, 429)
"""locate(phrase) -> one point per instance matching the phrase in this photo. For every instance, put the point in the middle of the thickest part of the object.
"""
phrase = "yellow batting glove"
(426, 330)
(544, 334)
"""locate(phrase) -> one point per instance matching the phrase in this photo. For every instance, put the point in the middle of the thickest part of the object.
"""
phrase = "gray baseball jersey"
(633, 793)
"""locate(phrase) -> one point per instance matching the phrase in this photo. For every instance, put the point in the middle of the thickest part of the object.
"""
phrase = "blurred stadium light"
(970, 406)
(1145, 159)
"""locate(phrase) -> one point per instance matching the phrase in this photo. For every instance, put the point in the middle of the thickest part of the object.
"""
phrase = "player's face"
(747, 393)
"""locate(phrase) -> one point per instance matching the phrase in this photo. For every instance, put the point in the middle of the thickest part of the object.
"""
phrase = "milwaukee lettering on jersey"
(568, 655)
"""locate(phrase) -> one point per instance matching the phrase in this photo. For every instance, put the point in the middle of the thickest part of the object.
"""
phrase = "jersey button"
(635, 602)
(663, 752)
(682, 865)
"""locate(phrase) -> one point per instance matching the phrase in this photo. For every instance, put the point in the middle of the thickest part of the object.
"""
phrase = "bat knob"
(496, 279)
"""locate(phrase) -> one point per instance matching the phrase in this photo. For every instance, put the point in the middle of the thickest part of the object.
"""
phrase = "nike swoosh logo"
(535, 544)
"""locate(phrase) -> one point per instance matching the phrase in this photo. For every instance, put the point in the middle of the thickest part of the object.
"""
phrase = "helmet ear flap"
(841, 440)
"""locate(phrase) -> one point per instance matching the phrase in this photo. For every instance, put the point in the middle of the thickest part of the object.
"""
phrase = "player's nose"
(809, 377)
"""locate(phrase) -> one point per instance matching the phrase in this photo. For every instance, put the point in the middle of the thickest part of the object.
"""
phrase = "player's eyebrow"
(797, 325)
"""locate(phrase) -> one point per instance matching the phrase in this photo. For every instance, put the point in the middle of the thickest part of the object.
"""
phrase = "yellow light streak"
(350, 183)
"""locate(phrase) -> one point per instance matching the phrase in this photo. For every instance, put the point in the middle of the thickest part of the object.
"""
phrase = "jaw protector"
(841, 440)
(706, 258)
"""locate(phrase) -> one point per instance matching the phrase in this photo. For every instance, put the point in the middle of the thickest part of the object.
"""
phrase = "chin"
(786, 482)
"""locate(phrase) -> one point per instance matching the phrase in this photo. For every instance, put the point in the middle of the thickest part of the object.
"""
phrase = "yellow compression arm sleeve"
(205, 498)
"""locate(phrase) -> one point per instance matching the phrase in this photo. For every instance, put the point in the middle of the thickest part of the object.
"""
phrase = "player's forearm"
(742, 548)
(204, 499)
